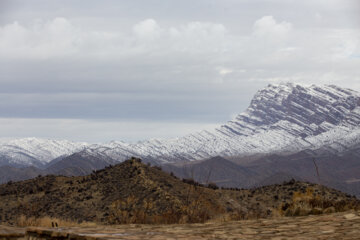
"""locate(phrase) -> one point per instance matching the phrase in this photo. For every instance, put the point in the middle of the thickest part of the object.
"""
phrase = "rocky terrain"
(133, 192)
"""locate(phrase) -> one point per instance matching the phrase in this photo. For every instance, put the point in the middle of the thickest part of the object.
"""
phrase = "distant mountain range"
(35, 152)
(288, 130)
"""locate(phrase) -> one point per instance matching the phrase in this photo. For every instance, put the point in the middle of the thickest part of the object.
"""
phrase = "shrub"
(158, 168)
(309, 202)
(212, 186)
(24, 221)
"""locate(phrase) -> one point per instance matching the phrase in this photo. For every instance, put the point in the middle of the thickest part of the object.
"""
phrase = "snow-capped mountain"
(35, 151)
(281, 118)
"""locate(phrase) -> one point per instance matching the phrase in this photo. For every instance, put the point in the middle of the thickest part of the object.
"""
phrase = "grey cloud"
(167, 61)
(119, 106)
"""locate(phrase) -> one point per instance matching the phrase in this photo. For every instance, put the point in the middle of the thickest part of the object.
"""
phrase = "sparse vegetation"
(133, 192)
(309, 202)
(48, 222)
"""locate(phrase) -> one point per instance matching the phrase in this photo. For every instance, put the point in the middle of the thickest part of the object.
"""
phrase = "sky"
(132, 70)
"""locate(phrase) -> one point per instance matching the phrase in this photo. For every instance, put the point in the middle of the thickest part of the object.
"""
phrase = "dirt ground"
(344, 225)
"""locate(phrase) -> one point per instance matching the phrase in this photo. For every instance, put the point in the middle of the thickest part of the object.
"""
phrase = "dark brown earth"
(132, 192)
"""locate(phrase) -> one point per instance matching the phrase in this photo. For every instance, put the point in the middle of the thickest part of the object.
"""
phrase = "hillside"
(9, 173)
(132, 192)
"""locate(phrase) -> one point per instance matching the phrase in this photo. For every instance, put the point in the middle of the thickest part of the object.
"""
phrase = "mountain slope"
(77, 165)
(9, 173)
(216, 170)
(339, 171)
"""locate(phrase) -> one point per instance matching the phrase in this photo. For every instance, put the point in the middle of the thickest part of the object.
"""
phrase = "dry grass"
(310, 203)
(49, 222)
(132, 192)
(195, 209)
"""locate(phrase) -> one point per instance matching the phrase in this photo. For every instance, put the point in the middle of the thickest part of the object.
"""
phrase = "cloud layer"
(141, 64)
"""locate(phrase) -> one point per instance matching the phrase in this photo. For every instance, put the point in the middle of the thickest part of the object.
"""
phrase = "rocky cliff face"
(313, 109)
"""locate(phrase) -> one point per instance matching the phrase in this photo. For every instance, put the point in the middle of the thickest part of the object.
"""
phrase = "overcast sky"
(130, 70)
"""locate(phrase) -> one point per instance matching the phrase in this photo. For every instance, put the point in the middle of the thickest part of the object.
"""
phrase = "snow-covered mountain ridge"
(281, 118)
(35, 151)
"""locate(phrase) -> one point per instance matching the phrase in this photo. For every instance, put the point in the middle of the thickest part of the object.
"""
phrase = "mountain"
(339, 171)
(9, 173)
(132, 192)
(216, 170)
(77, 165)
(74, 165)
(284, 118)
(34, 151)
(285, 127)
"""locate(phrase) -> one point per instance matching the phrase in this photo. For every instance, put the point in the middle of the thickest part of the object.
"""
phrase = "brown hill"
(132, 192)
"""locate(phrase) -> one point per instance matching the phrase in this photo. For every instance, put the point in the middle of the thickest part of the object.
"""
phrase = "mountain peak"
(35, 151)
(307, 104)
(276, 93)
